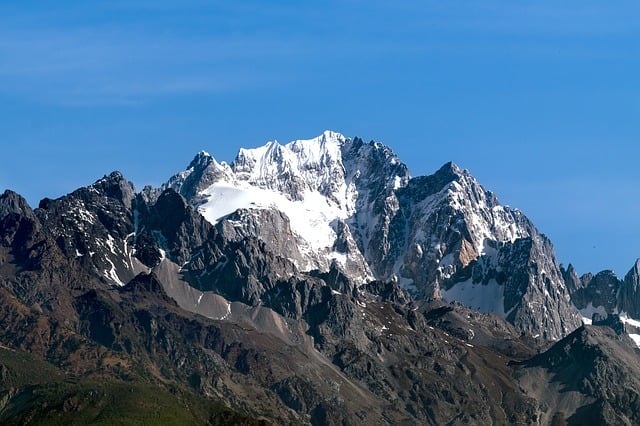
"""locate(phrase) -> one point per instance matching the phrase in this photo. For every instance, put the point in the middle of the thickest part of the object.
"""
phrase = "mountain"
(354, 205)
(315, 282)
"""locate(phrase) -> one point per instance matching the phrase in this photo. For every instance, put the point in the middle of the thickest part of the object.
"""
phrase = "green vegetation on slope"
(35, 392)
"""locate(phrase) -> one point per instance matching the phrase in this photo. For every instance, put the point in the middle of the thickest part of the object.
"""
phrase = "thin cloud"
(85, 64)
(129, 57)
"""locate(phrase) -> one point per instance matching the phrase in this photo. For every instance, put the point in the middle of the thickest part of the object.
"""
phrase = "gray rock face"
(629, 294)
(452, 239)
(202, 172)
(13, 203)
(376, 173)
(19, 221)
(534, 293)
(270, 226)
(520, 282)
(95, 226)
(600, 290)
(604, 293)
(171, 224)
(447, 220)
(571, 278)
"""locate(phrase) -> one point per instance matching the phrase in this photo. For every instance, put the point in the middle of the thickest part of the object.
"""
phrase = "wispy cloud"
(123, 52)
(81, 65)
(65, 60)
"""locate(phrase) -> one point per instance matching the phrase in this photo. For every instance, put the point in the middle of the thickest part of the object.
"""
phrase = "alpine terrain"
(314, 282)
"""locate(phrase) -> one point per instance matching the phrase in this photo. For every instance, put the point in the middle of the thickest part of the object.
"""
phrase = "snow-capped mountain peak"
(313, 164)
(318, 183)
(344, 202)
(321, 182)
(313, 151)
(486, 218)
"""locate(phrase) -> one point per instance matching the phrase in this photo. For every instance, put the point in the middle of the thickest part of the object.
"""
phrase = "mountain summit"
(354, 205)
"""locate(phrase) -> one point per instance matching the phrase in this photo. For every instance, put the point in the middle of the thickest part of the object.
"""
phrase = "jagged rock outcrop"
(629, 293)
(451, 221)
(595, 293)
(95, 225)
(605, 294)
(13, 203)
(19, 225)
(170, 225)
(461, 244)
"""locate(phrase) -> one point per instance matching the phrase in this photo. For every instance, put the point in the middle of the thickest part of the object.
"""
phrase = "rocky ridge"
(244, 310)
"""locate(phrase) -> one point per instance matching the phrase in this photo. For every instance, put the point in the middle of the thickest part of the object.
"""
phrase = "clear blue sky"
(540, 100)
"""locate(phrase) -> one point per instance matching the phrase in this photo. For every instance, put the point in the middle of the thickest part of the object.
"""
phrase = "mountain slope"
(127, 333)
(295, 286)
(590, 378)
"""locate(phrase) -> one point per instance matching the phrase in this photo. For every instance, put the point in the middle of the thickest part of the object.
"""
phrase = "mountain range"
(315, 282)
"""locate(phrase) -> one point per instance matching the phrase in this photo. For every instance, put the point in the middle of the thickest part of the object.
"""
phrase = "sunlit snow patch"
(634, 324)
(636, 339)
(625, 319)
(310, 218)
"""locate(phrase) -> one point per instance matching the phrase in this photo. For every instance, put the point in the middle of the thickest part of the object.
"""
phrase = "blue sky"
(540, 100)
